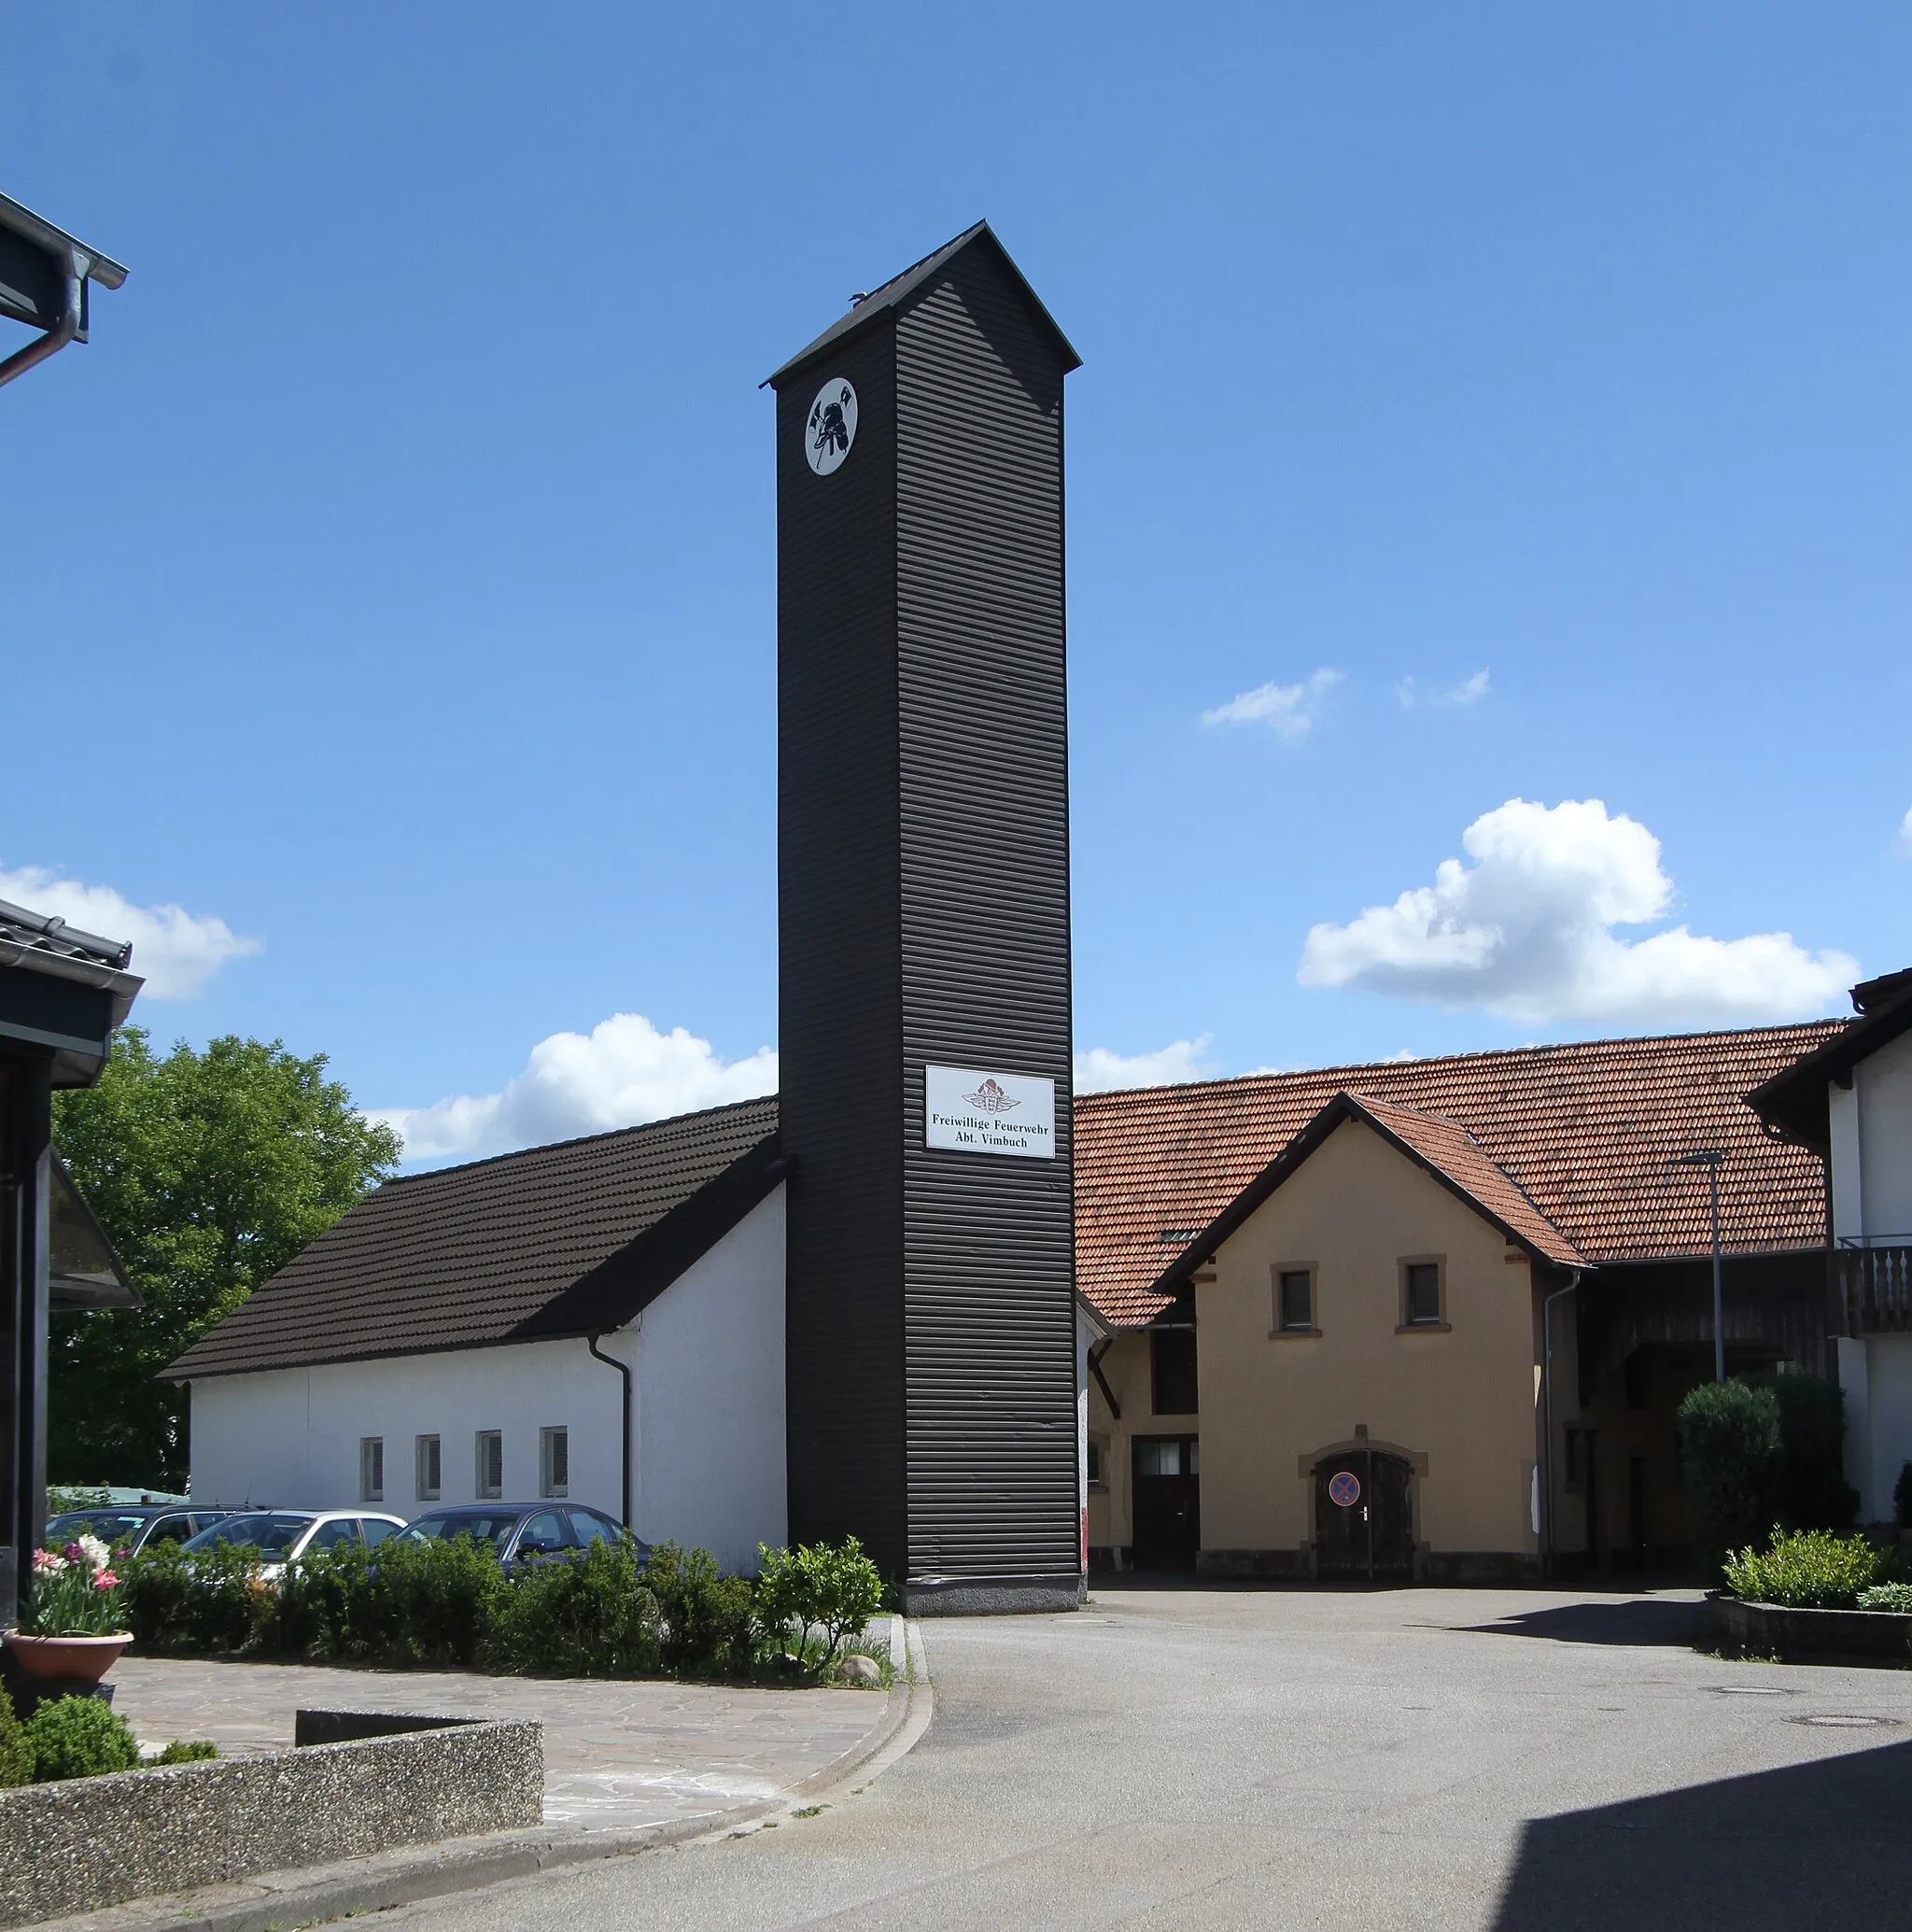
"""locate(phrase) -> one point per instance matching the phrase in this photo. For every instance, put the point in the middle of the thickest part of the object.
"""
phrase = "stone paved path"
(615, 1754)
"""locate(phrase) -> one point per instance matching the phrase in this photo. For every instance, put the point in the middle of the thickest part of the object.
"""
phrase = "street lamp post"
(1711, 1157)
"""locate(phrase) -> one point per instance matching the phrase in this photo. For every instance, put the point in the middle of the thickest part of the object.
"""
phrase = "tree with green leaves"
(209, 1170)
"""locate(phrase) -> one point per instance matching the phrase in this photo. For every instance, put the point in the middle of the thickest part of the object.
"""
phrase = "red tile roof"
(1447, 1147)
(1585, 1131)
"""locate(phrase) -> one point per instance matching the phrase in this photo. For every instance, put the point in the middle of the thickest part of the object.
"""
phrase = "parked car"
(521, 1533)
(132, 1526)
(282, 1536)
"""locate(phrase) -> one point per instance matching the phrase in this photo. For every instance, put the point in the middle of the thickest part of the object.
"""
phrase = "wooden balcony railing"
(1875, 1289)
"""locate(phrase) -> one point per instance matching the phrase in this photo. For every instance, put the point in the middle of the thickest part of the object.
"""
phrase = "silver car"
(282, 1536)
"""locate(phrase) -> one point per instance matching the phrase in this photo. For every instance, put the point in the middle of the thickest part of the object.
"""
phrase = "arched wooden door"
(1364, 1522)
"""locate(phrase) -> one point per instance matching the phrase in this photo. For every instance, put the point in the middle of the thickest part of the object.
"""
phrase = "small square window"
(1295, 1303)
(372, 1469)
(1575, 1460)
(490, 1463)
(1421, 1292)
(554, 1461)
(430, 1469)
(1097, 1478)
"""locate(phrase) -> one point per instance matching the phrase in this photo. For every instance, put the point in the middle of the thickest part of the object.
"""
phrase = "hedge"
(599, 1613)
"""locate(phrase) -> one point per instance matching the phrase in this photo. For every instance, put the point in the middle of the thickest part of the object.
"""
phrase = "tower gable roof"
(883, 302)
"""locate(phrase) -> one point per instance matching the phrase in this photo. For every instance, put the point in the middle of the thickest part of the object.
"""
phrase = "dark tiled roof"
(556, 1240)
(889, 294)
(39, 937)
(1585, 1131)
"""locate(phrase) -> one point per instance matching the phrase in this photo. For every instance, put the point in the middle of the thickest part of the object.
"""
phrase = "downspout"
(1547, 1412)
(57, 337)
(624, 1439)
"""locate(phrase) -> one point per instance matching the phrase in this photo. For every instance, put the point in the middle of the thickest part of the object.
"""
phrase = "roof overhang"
(1794, 1103)
(35, 260)
(62, 992)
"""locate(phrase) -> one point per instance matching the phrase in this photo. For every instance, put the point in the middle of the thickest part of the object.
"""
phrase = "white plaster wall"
(1883, 1082)
(1889, 1389)
(1842, 1125)
(291, 1437)
(1854, 1367)
(708, 1421)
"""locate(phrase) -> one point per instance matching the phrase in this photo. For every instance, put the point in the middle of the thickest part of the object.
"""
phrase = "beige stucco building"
(1438, 1329)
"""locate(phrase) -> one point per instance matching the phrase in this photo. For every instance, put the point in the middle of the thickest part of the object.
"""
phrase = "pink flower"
(47, 1564)
(104, 1580)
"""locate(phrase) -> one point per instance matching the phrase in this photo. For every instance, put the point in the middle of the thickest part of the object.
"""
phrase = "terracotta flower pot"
(77, 1660)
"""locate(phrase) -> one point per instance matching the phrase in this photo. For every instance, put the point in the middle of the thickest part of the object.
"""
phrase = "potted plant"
(73, 1624)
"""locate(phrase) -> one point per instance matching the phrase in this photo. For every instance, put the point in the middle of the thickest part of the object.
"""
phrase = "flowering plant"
(75, 1593)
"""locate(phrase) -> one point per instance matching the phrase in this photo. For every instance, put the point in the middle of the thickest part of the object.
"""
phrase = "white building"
(477, 1333)
(1852, 1099)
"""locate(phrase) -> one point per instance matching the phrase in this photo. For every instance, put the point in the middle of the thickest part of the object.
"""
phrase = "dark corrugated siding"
(925, 904)
(839, 1071)
(983, 703)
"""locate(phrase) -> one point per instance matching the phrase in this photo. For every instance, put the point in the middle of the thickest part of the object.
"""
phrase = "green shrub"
(1887, 1596)
(154, 1587)
(78, 1737)
(436, 1601)
(1902, 1498)
(1810, 1491)
(325, 1609)
(830, 1590)
(186, 1751)
(16, 1758)
(1730, 1452)
(588, 1615)
(709, 1623)
(1805, 1569)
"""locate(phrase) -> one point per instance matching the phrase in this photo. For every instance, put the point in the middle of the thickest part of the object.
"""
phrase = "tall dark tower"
(923, 908)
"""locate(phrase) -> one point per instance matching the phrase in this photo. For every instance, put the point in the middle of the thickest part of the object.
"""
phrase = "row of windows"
(1422, 1296)
(428, 1465)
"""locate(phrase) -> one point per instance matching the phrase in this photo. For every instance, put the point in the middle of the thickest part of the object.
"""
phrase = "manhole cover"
(1748, 1690)
(1839, 1720)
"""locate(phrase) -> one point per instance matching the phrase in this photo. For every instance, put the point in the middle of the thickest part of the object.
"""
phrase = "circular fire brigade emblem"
(1344, 1487)
(830, 427)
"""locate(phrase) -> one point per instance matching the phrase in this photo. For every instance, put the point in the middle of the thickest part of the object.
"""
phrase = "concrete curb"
(280, 1901)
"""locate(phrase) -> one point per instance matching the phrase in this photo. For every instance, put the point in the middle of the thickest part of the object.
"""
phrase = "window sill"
(1294, 1335)
(1425, 1327)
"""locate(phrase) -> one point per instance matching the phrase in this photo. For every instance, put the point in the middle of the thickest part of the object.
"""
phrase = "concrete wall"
(1461, 1403)
(707, 1413)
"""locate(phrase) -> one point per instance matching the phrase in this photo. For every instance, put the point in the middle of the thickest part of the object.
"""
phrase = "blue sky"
(1480, 404)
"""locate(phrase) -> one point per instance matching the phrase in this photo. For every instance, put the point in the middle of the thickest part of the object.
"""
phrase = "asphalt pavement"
(1175, 1758)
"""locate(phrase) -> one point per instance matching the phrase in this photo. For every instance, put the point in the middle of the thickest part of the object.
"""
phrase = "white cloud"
(1905, 833)
(1289, 711)
(176, 952)
(1526, 931)
(1099, 1071)
(623, 1071)
(1410, 696)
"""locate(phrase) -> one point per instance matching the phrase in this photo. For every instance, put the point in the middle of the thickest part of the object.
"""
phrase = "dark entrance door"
(1363, 1521)
(1167, 1527)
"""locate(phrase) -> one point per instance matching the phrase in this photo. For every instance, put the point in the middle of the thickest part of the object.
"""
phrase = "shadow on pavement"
(1631, 1620)
(1815, 1845)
